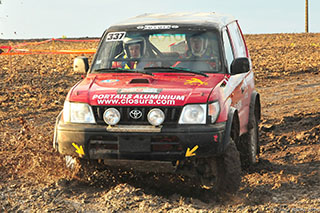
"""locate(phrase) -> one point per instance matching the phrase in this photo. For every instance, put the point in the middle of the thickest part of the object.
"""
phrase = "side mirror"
(240, 65)
(81, 64)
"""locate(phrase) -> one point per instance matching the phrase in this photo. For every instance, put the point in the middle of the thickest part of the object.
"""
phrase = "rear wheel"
(250, 145)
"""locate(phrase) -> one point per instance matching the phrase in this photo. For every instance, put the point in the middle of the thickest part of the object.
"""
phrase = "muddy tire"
(249, 145)
(223, 173)
(229, 170)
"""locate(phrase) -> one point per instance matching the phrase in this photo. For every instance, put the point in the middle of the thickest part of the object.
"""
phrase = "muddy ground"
(287, 177)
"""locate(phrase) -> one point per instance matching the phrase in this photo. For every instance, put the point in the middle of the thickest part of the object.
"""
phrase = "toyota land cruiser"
(166, 92)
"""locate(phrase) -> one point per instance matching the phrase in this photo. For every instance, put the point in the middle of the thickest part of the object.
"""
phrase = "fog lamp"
(111, 116)
(156, 117)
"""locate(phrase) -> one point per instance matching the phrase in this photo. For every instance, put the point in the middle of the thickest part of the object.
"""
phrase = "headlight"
(77, 113)
(194, 114)
(214, 110)
(111, 116)
(156, 117)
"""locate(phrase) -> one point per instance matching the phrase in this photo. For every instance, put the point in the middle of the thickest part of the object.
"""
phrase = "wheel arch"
(255, 107)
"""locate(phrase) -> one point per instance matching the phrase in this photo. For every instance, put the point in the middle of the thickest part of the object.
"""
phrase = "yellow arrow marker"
(191, 153)
(79, 150)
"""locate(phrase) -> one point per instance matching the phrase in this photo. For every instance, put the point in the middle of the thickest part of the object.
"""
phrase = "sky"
(25, 19)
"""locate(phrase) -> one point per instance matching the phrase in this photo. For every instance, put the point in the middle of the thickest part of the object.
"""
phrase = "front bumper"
(170, 143)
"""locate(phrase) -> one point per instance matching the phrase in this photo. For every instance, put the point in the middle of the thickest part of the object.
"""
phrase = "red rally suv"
(166, 92)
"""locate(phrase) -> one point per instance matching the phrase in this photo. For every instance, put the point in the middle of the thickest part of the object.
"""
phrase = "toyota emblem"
(135, 114)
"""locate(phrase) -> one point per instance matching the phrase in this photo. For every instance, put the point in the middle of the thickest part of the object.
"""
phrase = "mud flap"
(55, 134)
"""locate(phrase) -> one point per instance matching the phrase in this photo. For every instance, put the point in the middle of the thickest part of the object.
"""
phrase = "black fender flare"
(231, 129)
(55, 139)
(254, 108)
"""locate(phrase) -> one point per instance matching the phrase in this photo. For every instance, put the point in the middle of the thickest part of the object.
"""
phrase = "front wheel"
(223, 172)
(229, 169)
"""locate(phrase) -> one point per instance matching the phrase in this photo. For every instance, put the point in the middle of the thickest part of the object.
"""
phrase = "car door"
(240, 96)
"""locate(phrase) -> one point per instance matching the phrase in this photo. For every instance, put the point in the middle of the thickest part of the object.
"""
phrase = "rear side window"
(237, 40)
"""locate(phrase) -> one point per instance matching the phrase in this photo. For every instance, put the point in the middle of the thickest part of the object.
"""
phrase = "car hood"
(137, 89)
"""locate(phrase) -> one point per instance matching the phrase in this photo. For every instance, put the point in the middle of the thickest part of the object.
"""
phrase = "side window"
(237, 40)
(227, 48)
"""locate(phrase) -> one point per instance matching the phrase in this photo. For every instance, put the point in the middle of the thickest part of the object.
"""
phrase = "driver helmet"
(198, 44)
(134, 47)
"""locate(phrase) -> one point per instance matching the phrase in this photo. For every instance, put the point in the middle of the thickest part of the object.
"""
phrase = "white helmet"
(198, 44)
(127, 42)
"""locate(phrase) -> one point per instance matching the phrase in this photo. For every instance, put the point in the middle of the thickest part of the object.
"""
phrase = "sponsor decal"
(110, 81)
(225, 80)
(115, 36)
(233, 82)
(137, 99)
(157, 27)
(135, 90)
(195, 81)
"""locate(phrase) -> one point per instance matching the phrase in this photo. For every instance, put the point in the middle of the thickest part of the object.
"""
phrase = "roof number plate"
(115, 36)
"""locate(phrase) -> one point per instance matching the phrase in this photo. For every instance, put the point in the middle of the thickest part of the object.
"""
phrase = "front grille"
(153, 144)
(172, 114)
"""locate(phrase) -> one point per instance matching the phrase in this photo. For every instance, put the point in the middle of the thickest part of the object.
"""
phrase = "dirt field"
(287, 178)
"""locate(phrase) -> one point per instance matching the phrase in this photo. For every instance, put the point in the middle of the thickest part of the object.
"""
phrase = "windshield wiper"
(179, 69)
(122, 70)
(108, 69)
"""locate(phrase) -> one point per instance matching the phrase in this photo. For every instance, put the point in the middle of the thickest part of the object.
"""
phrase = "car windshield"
(161, 51)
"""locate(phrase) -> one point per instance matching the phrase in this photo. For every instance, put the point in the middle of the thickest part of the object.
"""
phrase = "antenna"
(307, 18)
